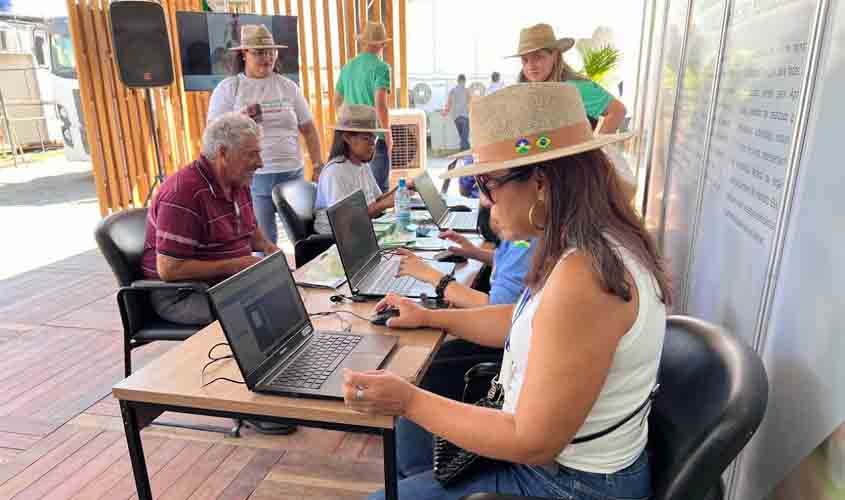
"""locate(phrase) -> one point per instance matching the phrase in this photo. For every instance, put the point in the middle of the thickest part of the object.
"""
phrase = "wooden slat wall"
(116, 117)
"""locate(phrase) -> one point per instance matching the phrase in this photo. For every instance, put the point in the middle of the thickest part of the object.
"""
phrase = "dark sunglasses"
(487, 184)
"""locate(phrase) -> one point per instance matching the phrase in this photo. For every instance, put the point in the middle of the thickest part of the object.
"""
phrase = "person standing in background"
(495, 83)
(458, 107)
(365, 80)
(542, 61)
(277, 104)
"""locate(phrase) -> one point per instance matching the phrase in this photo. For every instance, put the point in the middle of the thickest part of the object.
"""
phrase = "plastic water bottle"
(401, 206)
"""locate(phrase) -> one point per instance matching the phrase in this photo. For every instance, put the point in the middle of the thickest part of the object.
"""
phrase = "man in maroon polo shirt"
(201, 225)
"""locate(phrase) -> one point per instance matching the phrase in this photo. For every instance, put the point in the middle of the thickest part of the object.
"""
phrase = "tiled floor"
(61, 434)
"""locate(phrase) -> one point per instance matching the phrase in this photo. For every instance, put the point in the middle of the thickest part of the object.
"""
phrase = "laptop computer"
(369, 272)
(444, 217)
(274, 342)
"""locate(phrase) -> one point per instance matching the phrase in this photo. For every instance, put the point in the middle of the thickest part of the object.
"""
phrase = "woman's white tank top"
(632, 376)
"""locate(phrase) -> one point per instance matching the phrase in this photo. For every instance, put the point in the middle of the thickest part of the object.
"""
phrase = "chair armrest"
(149, 285)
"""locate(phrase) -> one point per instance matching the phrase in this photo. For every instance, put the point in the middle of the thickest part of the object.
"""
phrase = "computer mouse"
(380, 318)
(447, 256)
(460, 208)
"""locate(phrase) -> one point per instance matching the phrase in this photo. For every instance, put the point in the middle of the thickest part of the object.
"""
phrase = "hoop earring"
(536, 226)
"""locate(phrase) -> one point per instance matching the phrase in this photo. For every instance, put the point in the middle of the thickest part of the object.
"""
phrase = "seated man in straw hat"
(366, 80)
(348, 168)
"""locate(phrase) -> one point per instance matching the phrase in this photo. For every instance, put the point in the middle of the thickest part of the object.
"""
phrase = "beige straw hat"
(357, 118)
(540, 36)
(529, 123)
(373, 34)
(257, 36)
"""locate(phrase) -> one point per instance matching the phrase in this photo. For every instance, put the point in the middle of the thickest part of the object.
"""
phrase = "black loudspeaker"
(141, 43)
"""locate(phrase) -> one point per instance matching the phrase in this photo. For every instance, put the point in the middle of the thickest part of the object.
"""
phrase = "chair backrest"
(713, 395)
(294, 201)
(120, 237)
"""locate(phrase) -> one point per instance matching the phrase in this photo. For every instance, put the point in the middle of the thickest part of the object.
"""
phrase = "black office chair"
(295, 203)
(120, 237)
(713, 395)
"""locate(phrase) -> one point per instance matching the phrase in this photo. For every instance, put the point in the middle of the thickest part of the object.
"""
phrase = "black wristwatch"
(440, 289)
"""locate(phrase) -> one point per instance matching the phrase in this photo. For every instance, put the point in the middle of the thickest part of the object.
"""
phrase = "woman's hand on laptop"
(413, 266)
(377, 392)
(411, 314)
(465, 247)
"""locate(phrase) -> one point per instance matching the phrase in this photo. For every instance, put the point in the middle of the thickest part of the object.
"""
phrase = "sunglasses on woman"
(487, 184)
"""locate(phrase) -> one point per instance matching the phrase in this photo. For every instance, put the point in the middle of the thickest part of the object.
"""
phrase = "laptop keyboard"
(463, 219)
(385, 281)
(321, 357)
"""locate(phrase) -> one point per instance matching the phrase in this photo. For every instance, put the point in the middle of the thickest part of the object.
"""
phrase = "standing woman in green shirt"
(542, 61)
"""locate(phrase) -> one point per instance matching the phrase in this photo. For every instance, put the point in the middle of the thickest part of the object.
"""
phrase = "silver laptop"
(444, 217)
(274, 343)
(370, 272)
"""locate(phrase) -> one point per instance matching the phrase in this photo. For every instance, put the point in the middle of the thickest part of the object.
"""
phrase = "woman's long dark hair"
(586, 209)
(339, 147)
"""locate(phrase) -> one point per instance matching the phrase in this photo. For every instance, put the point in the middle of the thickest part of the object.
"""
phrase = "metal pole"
(8, 129)
(154, 133)
(705, 157)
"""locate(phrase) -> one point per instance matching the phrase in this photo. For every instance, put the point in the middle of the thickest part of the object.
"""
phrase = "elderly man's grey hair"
(229, 130)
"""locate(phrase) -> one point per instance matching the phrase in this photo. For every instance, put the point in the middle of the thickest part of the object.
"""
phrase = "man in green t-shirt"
(366, 80)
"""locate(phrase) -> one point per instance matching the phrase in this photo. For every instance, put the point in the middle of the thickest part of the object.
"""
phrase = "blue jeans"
(262, 199)
(462, 124)
(380, 165)
(547, 481)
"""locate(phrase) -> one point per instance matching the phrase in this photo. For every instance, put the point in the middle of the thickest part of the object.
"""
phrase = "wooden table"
(173, 383)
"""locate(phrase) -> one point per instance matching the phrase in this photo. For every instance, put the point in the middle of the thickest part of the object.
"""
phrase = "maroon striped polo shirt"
(191, 218)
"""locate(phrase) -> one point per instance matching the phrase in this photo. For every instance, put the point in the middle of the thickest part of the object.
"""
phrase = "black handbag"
(452, 462)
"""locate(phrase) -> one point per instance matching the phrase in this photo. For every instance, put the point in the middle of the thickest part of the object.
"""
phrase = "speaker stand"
(159, 179)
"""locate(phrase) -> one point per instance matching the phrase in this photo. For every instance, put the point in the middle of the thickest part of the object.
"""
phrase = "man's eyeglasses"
(487, 184)
(367, 136)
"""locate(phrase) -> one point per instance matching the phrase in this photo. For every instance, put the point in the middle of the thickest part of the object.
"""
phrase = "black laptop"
(443, 216)
(369, 272)
(275, 344)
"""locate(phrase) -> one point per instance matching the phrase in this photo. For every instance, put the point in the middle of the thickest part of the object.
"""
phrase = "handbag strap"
(604, 432)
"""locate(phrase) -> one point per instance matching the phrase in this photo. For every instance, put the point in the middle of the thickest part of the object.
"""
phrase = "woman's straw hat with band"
(357, 118)
(373, 34)
(529, 123)
(541, 36)
(257, 36)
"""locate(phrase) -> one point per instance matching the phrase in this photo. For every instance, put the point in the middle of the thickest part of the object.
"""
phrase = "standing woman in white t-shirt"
(278, 105)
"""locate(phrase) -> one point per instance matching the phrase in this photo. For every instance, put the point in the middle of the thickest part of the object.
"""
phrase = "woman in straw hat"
(541, 53)
(279, 106)
(581, 347)
(348, 169)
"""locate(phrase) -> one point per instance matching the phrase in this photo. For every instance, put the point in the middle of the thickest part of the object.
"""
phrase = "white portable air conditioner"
(408, 158)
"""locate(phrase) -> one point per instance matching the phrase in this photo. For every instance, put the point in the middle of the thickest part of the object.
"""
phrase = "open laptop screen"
(431, 196)
(259, 309)
(353, 233)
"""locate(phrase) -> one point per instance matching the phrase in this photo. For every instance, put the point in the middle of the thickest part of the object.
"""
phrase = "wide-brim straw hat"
(257, 36)
(373, 34)
(540, 36)
(357, 118)
(529, 123)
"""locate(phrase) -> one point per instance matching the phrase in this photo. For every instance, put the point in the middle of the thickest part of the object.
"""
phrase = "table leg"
(391, 480)
(136, 452)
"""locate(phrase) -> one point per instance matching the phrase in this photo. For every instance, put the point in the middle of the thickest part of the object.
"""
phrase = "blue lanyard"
(523, 301)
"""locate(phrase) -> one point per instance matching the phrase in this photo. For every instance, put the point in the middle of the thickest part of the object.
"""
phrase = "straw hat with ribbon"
(257, 36)
(357, 118)
(529, 123)
(541, 36)
(373, 34)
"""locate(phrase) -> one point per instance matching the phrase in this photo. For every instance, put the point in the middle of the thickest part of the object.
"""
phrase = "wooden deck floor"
(61, 434)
